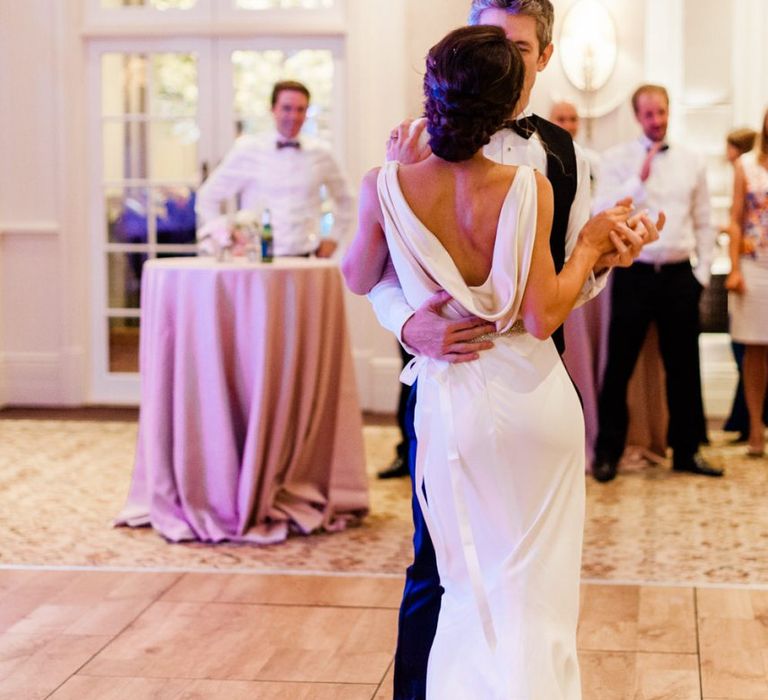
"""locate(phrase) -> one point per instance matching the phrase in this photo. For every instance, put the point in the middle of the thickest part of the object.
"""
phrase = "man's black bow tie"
(288, 144)
(525, 126)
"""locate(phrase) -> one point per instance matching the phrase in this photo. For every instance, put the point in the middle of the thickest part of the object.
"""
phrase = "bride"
(500, 460)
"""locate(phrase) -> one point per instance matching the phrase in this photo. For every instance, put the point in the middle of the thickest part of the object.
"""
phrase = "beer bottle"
(267, 239)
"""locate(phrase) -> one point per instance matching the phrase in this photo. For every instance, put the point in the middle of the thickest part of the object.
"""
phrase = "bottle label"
(267, 246)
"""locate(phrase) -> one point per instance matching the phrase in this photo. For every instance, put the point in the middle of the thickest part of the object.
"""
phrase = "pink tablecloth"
(586, 351)
(250, 424)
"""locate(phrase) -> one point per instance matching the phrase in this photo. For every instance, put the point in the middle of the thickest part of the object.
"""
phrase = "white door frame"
(107, 387)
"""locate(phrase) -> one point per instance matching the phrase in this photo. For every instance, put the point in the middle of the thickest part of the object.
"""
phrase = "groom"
(528, 140)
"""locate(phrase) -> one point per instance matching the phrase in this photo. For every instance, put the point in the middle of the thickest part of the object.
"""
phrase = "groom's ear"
(544, 57)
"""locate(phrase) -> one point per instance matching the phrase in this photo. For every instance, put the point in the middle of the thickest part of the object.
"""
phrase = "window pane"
(174, 150)
(283, 4)
(123, 344)
(123, 83)
(174, 85)
(175, 215)
(124, 279)
(255, 72)
(154, 4)
(125, 150)
(126, 209)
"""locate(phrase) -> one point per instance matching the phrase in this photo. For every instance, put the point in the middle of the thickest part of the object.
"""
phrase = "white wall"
(42, 330)
(427, 21)
(393, 37)
(377, 64)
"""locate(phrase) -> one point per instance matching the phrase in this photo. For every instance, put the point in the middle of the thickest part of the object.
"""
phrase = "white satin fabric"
(499, 474)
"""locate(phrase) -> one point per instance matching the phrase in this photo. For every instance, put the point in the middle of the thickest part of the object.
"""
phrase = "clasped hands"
(617, 235)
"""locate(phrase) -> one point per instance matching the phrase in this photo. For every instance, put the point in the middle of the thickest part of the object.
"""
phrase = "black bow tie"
(525, 126)
(664, 147)
(288, 144)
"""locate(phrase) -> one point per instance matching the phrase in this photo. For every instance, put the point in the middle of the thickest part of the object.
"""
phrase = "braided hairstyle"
(473, 82)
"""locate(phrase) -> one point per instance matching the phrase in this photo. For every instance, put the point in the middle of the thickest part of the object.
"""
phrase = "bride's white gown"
(501, 456)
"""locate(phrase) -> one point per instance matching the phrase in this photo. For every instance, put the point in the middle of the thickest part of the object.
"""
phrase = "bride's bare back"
(461, 205)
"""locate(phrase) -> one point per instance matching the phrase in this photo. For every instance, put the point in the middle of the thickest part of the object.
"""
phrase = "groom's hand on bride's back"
(452, 340)
(408, 142)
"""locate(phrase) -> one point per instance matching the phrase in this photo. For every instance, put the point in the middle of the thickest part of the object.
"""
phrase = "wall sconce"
(588, 45)
(588, 49)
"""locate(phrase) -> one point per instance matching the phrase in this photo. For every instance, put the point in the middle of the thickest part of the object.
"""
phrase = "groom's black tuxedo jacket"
(561, 172)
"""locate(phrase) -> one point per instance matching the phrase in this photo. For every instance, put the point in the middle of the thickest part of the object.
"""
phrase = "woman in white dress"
(500, 460)
(748, 280)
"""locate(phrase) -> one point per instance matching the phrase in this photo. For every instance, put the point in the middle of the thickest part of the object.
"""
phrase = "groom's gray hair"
(541, 10)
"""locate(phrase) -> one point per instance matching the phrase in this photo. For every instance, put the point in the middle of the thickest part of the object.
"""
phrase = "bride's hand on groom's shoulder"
(409, 142)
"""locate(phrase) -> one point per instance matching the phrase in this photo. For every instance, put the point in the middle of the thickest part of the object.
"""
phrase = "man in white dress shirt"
(284, 171)
(661, 286)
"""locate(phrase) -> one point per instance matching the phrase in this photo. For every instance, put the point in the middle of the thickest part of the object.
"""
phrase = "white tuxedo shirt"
(287, 181)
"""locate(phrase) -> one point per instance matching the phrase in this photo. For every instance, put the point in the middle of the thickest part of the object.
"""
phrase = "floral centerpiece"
(226, 236)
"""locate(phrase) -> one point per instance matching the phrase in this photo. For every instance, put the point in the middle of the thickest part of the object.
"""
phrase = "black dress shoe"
(696, 464)
(604, 469)
(395, 470)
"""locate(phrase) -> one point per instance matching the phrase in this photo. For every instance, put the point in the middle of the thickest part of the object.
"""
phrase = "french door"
(162, 113)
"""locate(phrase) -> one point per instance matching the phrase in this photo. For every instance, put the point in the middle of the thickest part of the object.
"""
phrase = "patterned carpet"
(62, 482)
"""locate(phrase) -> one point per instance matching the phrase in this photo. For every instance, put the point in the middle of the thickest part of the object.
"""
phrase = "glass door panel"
(126, 214)
(151, 147)
(174, 88)
(123, 84)
(174, 214)
(173, 150)
(124, 146)
(124, 279)
(123, 335)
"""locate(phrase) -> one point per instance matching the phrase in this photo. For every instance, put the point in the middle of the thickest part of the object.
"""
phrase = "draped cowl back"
(424, 266)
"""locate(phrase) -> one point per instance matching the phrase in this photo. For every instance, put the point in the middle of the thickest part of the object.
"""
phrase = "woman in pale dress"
(748, 280)
(500, 459)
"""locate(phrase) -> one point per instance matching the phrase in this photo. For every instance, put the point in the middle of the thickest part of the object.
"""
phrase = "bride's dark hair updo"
(473, 82)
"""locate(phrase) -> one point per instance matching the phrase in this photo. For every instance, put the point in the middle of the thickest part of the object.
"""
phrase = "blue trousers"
(420, 606)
